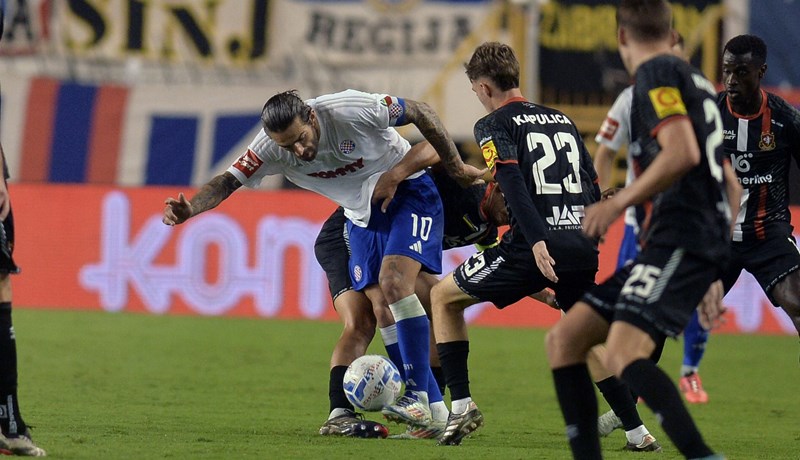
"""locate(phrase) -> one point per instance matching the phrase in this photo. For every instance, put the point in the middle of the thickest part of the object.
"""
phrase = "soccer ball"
(371, 382)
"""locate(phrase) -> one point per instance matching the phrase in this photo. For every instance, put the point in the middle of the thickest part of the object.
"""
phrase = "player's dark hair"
(281, 109)
(497, 62)
(743, 44)
(646, 20)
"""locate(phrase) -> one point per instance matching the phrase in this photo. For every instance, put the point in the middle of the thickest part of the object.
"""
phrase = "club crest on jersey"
(667, 101)
(347, 146)
(767, 141)
(489, 153)
(396, 109)
(248, 163)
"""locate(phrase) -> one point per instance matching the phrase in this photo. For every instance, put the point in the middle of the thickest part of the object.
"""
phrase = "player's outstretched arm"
(679, 154)
(210, 195)
(431, 127)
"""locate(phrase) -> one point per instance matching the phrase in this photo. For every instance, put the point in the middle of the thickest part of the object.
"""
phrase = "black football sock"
(336, 389)
(453, 356)
(658, 351)
(619, 397)
(579, 406)
(10, 419)
(438, 374)
(663, 398)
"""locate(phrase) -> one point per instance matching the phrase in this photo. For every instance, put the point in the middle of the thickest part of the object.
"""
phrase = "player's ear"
(673, 38)
(762, 71)
(622, 37)
(487, 89)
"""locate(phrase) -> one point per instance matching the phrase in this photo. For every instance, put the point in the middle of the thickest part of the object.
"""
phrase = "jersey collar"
(513, 99)
(755, 115)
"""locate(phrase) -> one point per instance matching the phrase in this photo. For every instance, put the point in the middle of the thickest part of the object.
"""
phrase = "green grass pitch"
(122, 386)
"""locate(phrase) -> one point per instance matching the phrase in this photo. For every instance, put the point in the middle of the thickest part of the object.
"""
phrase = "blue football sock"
(434, 394)
(389, 336)
(413, 336)
(694, 345)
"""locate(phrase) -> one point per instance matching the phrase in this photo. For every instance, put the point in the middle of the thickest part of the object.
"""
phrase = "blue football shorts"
(412, 226)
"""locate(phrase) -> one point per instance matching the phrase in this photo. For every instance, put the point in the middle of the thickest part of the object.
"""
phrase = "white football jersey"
(357, 144)
(616, 132)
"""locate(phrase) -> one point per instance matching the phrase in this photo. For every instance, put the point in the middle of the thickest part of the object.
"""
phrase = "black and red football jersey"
(761, 147)
(557, 172)
(693, 212)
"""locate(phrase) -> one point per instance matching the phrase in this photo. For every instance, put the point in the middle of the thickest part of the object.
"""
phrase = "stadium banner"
(68, 132)
(578, 40)
(105, 248)
(230, 33)
(380, 33)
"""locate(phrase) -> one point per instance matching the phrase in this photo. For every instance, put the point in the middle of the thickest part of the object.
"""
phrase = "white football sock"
(460, 405)
(636, 435)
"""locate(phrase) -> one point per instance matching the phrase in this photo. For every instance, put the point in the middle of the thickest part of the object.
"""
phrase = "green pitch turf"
(123, 386)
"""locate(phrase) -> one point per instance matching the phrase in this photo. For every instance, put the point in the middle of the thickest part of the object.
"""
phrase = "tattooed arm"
(210, 195)
(431, 127)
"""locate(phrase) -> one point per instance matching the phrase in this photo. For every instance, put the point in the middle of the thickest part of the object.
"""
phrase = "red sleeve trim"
(665, 122)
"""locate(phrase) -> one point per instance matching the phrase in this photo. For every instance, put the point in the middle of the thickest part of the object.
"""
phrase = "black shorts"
(7, 264)
(769, 261)
(657, 292)
(504, 275)
(332, 253)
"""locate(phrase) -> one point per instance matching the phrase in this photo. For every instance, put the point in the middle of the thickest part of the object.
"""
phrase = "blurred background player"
(540, 162)
(472, 216)
(678, 160)
(15, 438)
(762, 135)
(612, 136)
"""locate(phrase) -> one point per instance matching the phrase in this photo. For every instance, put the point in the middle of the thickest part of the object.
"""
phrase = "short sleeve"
(615, 130)
(257, 162)
(658, 92)
(495, 144)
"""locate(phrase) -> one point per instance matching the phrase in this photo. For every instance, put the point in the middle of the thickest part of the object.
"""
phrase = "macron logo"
(416, 247)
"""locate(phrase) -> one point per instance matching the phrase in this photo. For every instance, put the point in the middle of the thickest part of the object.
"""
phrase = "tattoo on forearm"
(434, 132)
(214, 192)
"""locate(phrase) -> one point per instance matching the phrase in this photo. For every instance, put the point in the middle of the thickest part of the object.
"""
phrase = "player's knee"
(787, 294)
(394, 288)
(559, 347)
(362, 327)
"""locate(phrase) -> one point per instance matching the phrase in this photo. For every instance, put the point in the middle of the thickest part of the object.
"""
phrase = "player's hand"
(385, 189)
(469, 175)
(599, 216)
(177, 211)
(547, 297)
(544, 261)
(609, 192)
(711, 311)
